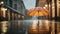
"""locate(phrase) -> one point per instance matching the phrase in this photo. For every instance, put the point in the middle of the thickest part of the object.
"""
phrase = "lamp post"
(2, 10)
(1, 3)
(2, 16)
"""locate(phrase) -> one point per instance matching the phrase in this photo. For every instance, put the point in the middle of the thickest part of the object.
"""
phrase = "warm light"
(3, 9)
(46, 5)
(53, 7)
(34, 29)
(4, 26)
(23, 17)
(2, 2)
(49, 5)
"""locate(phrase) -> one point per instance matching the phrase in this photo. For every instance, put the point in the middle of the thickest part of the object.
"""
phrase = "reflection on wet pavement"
(28, 27)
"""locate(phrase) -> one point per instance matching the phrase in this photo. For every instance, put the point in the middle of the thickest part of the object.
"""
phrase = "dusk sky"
(29, 3)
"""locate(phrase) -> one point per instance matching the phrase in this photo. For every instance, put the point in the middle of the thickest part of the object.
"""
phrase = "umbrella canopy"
(38, 11)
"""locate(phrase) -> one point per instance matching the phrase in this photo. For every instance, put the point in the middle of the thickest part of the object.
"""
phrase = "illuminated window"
(10, 3)
(15, 6)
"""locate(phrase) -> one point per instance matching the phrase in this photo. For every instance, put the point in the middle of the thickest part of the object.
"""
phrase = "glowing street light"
(1, 2)
(46, 5)
(3, 9)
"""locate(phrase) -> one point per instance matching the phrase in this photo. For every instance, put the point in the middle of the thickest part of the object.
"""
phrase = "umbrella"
(38, 11)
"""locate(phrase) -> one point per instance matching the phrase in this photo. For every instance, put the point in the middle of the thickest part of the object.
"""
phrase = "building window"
(15, 6)
(10, 3)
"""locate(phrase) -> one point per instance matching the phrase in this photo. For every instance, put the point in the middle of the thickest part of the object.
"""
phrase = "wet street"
(28, 27)
(29, 16)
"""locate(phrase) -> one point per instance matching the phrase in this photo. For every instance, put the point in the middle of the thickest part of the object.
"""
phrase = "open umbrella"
(38, 11)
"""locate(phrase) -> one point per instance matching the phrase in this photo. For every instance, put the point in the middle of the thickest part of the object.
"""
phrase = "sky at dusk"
(29, 3)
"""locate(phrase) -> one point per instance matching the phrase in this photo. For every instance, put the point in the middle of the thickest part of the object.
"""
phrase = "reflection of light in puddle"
(44, 24)
(34, 30)
(40, 22)
(34, 24)
(4, 26)
(47, 24)
(18, 23)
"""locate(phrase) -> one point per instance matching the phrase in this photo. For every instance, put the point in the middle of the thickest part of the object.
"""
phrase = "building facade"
(54, 8)
(13, 7)
(15, 11)
(40, 3)
(48, 5)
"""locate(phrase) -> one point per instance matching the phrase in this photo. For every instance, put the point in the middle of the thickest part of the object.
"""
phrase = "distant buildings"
(11, 11)
(15, 8)
(17, 5)
(54, 7)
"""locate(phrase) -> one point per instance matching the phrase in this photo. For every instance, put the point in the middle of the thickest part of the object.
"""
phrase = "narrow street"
(28, 27)
(29, 16)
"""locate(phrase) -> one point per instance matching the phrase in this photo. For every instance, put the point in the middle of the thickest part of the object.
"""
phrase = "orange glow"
(46, 5)
(37, 12)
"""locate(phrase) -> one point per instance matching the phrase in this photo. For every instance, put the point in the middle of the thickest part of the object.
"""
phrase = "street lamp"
(46, 5)
(2, 2)
(2, 9)
(2, 14)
